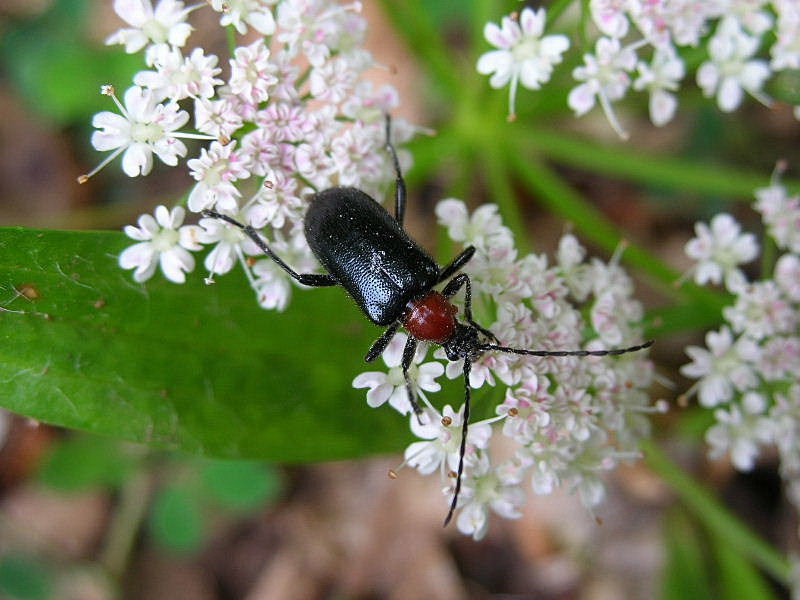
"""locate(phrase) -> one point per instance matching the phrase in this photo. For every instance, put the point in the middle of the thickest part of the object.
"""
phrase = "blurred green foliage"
(58, 68)
(24, 578)
(702, 565)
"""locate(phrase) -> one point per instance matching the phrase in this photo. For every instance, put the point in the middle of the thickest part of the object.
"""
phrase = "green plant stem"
(640, 167)
(555, 10)
(717, 518)
(501, 192)
(554, 193)
(125, 523)
(230, 30)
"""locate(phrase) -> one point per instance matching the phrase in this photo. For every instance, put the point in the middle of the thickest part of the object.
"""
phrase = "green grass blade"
(718, 519)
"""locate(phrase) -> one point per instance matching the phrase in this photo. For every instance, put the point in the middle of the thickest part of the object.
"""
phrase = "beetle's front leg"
(408, 356)
(380, 344)
(451, 289)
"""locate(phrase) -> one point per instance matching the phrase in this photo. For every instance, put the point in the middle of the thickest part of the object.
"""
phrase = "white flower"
(391, 386)
(216, 171)
(610, 17)
(442, 433)
(144, 128)
(162, 241)
(333, 80)
(729, 72)
(787, 276)
(725, 367)
(570, 258)
(605, 79)
(217, 118)
(485, 488)
(781, 213)
(177, 77)
(241, 13)
(780, 358)
(750, 15)
(164, 24)
(483, 229)
(785, 51)
(740, 430)
(252, 73)
(661, 77)
(761, 310)
(527, 409)
(272, 285)
(276, 205)
(524, 53)
(719, 250)
(316, 28)
(231, 244)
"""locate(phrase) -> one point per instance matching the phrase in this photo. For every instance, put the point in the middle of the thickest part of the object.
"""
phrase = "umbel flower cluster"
(286, 115)
(290, 114)
(640, 44)
(748, 372)
(565, 420)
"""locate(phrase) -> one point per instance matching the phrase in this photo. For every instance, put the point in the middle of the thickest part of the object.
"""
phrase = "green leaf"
(191, 367)
(737, 576)
(686, 574)
(240, 485)
(23, 579)
(176, 521)
(83, 461)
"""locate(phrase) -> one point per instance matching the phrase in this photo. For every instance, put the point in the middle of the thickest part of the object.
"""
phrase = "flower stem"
(501, 192)
(230, 30)
(125, 523)
(716, 517)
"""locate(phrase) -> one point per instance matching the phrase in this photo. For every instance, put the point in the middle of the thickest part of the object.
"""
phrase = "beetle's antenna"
(613, 352)
(463, 449)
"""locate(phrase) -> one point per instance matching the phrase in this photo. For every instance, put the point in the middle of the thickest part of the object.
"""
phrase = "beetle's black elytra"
(367, 252)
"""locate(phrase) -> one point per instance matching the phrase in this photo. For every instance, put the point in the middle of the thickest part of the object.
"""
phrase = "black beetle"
(367, 252)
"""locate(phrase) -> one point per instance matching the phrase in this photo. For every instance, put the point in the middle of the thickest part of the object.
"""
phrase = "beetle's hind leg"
(457, 263)
(309, 279)
(400, 184)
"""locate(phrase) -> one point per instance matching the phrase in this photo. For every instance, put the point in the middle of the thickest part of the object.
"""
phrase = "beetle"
(392, 279)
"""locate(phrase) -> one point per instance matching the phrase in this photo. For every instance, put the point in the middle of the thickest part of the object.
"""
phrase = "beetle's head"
(464, 343)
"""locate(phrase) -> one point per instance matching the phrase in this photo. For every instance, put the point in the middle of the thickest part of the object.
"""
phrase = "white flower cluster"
(748, 372)
(568, 419)
(289, 115)
(639, 45)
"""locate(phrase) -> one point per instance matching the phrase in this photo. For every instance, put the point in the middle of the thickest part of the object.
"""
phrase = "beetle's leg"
(458, 262)
(452, 288)
(408, 356)
(309, 279)
(462, 450)
(380, 344)
(400, 184)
